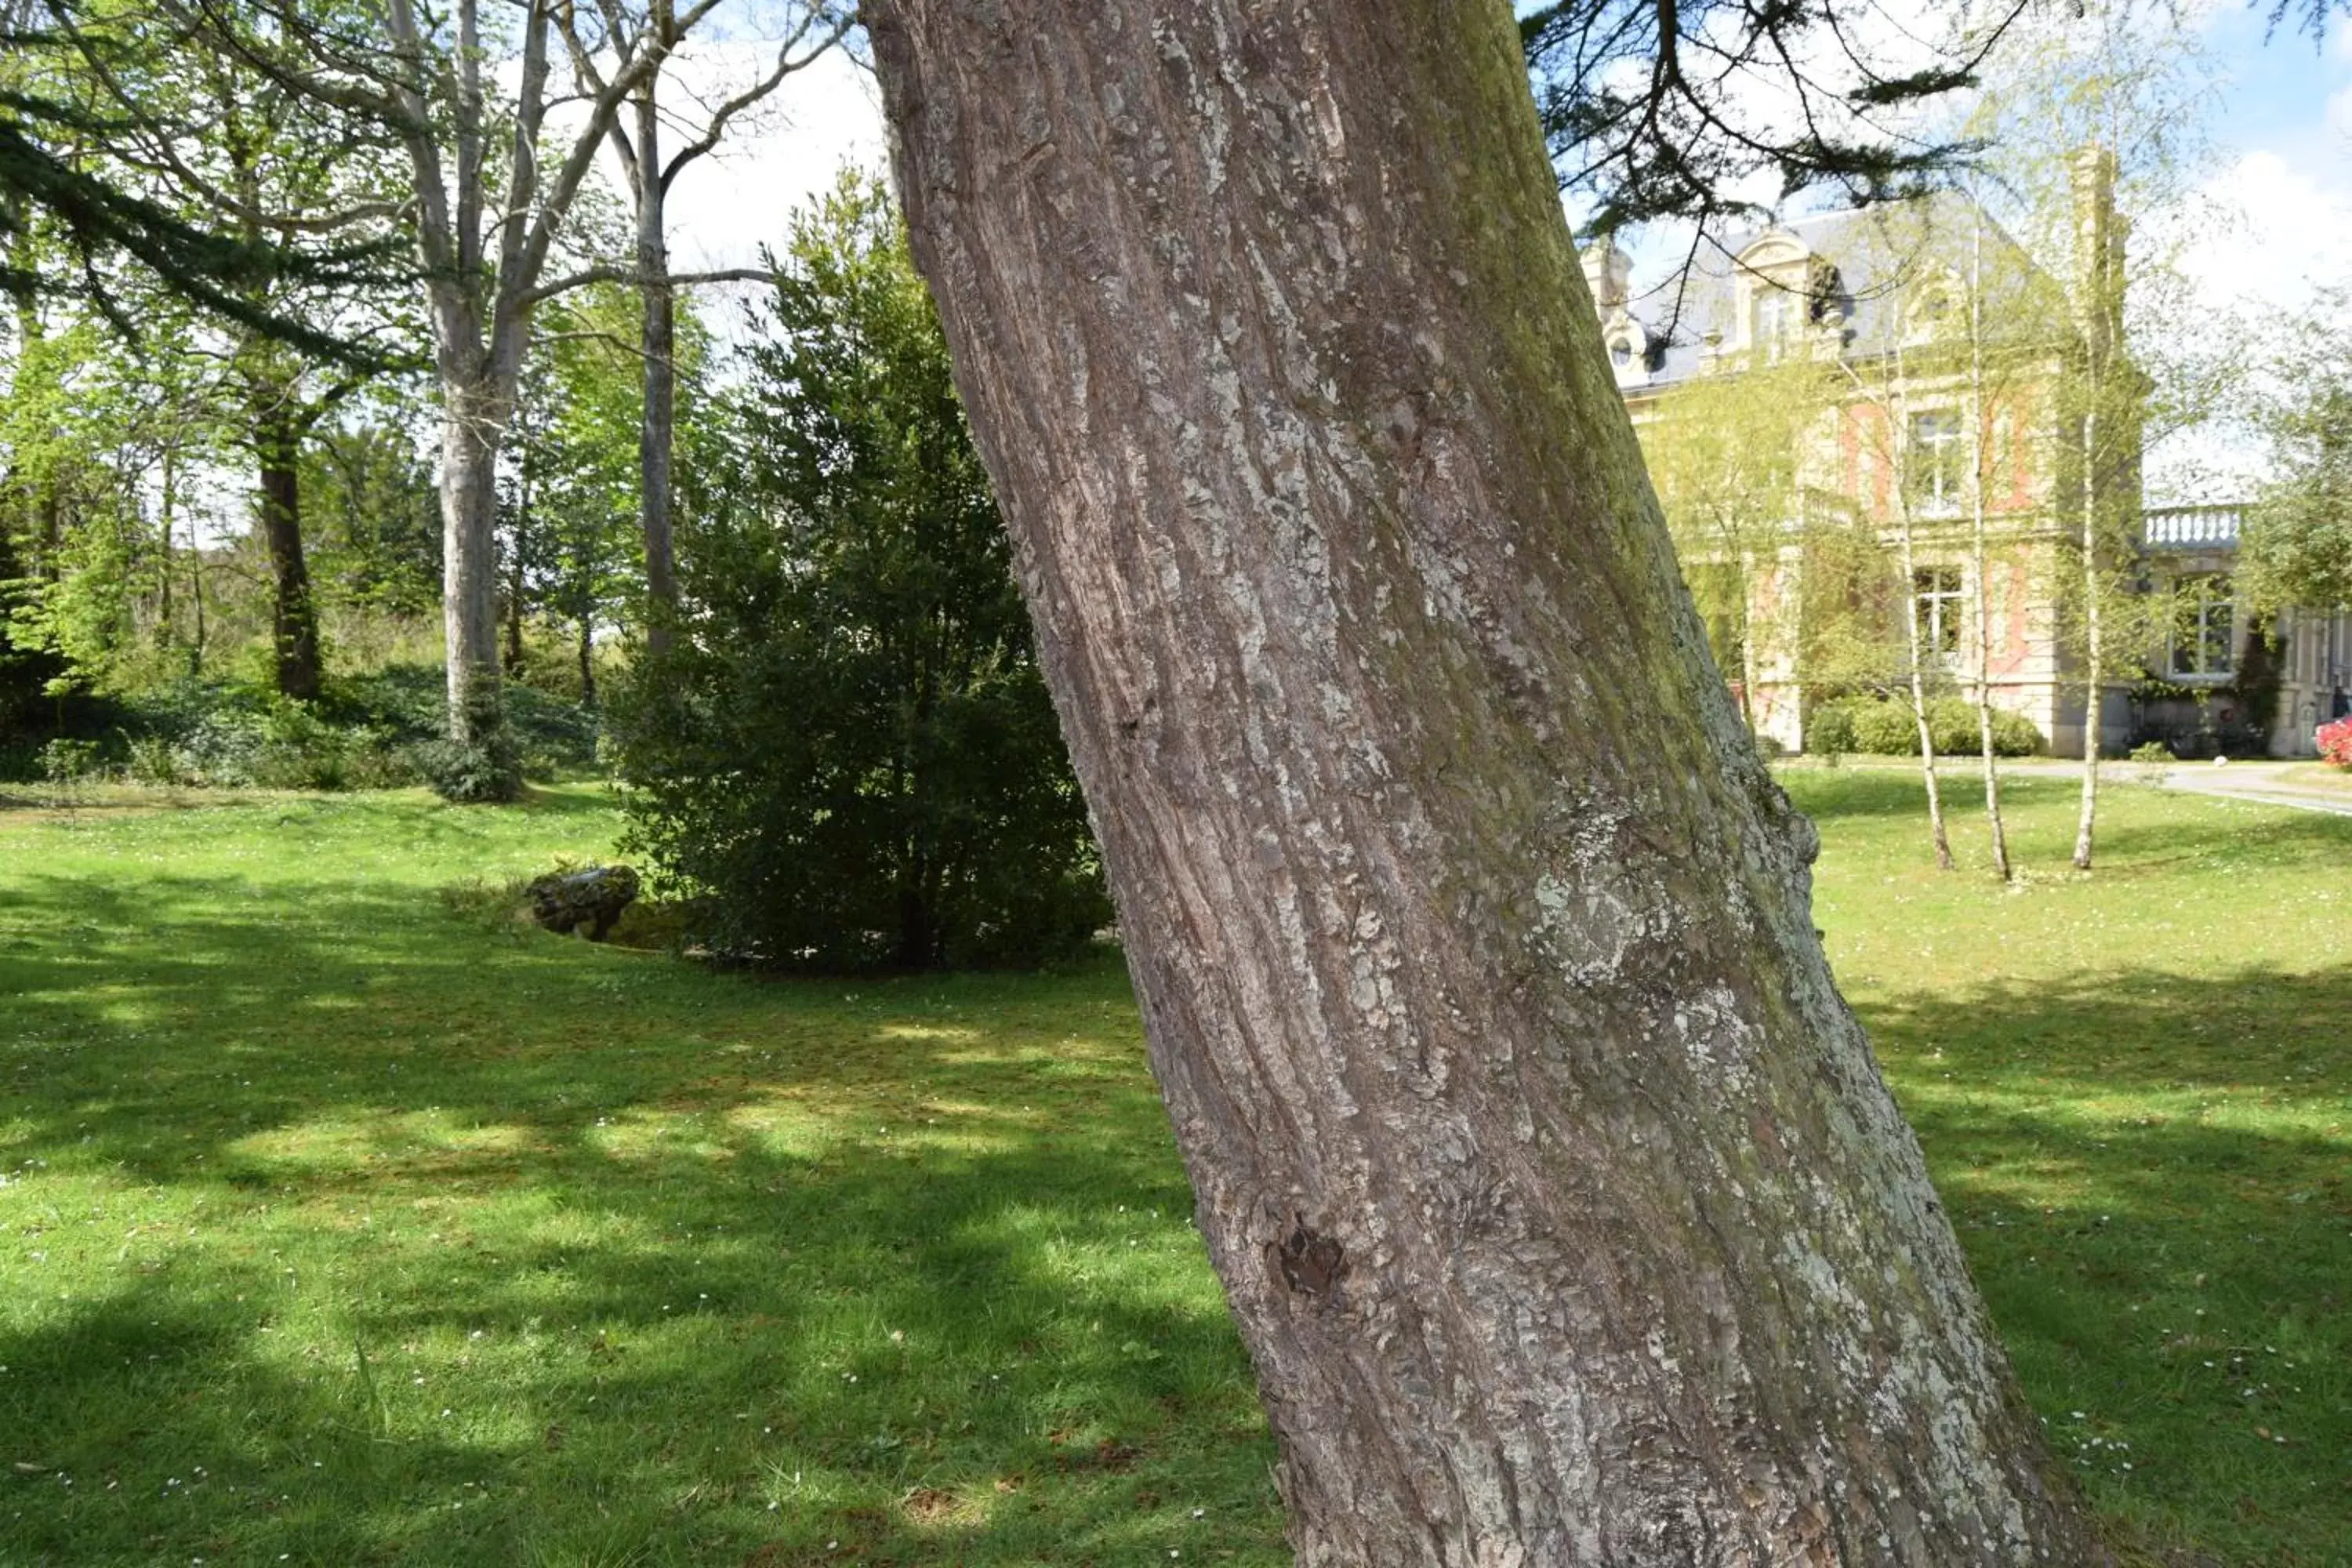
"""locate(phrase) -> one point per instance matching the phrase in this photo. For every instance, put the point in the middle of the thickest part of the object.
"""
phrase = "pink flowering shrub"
(2336, 743)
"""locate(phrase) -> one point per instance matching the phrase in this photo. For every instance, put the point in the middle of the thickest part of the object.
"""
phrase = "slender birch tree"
(1987, 388)
(806, 32)
(1885, 388)
(2095, 118)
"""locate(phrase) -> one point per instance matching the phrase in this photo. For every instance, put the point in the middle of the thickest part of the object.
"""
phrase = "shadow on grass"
(430, 1245)
(380, 1238)
(2125, 1030)
(665, 1382)
(2150, 1174)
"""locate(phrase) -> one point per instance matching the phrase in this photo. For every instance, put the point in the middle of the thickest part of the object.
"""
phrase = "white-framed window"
(1778, 314)
(1937, 604)
(2204, 625)
(1932, 469)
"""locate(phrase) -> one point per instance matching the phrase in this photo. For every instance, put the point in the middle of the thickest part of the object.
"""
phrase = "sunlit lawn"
(338, 1229)
(2136, 1094)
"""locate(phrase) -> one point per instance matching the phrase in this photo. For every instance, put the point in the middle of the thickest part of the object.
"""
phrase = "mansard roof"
(1872, 267)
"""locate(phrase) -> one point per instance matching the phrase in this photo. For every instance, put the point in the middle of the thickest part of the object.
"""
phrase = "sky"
(825, 117)
(2279, 189)
(2282, 196)
(2285, 121)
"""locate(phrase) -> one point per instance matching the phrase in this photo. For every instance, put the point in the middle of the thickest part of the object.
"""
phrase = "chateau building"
(1955, 406)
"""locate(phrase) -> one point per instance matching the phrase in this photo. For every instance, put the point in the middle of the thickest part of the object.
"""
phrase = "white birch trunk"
(2094, 654)
(1980, 550)
(1918, 685)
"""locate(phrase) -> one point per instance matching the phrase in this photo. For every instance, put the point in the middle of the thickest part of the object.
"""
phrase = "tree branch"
(635, 280)
(785, 66)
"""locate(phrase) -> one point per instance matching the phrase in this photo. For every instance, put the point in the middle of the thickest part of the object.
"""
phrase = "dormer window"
(1628, 343)
(1829, 303)
(1932, 308)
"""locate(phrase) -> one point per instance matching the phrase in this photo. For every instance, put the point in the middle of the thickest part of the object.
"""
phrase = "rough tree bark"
(473, 424)
(294, 617)
(1555, 1191)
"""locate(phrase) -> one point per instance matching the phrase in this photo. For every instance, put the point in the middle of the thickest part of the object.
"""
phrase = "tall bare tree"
(2097, 163)
(807, 31)
(494, 185)
(1555, 1192)
(1979, 416)
(1887, 389)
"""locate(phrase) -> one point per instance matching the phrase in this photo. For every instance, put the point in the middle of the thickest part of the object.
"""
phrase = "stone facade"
(1957, 380)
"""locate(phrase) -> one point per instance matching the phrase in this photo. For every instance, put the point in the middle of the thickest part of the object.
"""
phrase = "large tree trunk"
(166, 525)
(588, 660)
(197, 599)
(517, 586)
(473, 422)
(294, 616)
(1554, 1189)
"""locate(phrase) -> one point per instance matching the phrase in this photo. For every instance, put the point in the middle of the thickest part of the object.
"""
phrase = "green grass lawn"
(337, 1228)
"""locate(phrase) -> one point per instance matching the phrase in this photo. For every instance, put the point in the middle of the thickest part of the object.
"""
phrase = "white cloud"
(2294, 230)
(2289, 229)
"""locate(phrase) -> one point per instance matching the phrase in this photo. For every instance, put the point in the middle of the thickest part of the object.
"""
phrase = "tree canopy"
(2297, 548)
(845, 751)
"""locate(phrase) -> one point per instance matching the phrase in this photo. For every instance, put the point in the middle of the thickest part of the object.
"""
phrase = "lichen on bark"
(1553, 1188)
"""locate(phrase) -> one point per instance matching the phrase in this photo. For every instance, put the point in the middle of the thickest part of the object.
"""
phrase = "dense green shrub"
(552, 735)
(71, 762)
(1829, 730)
(236, 736)
(846, 758)
(366, 732)
(486, 767)
(1885, 728)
